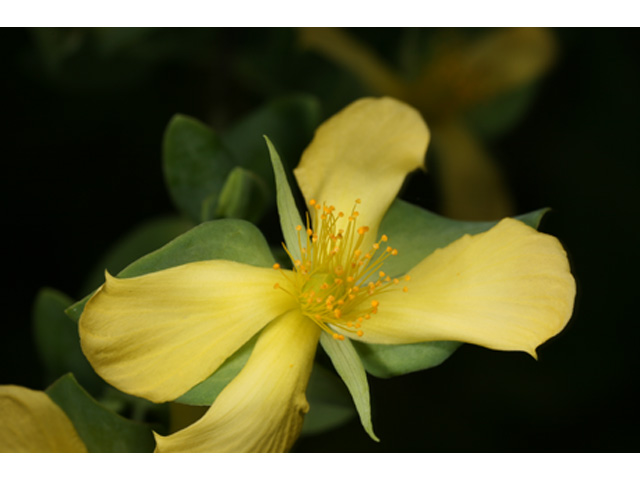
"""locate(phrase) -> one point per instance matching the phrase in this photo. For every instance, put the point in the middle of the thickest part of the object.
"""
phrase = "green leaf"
(198, 161)
(288, 121)
(57, 341)
(226, 239)
(206, 391)
(385, 361)
(145, 238)
(287, 209)
(100, 429)
(329, 402)
(244, 195)
(348, 365)
(196, 165)
(416, 233)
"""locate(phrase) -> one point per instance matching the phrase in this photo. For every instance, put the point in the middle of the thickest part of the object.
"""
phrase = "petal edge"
(509, 288)
(158, 335)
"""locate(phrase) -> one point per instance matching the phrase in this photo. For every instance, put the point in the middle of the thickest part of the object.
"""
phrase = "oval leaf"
(244, 195)
(100, 429)
(385, 361)
(196, 164)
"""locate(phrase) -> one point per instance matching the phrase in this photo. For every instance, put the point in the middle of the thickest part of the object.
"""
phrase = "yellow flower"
(160, 334)
(33, 423)
(462, 73)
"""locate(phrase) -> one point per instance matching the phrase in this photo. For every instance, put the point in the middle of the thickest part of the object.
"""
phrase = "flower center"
(334, 281)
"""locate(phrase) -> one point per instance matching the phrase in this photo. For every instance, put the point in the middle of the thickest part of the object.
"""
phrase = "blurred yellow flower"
(33, 423)
(462, 72)
(160, 334)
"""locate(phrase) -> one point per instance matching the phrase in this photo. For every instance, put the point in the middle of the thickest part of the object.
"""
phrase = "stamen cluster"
(334, 281)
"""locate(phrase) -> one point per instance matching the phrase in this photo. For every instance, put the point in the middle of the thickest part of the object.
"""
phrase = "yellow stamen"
(333, 280)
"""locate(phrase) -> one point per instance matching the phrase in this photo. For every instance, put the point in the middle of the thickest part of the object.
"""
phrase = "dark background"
(82, 165)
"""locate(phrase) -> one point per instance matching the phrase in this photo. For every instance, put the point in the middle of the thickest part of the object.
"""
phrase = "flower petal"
(508, 289)
(158, 335)
(345, 50)
(473, 188)
(365, 151)
(262, 409)
(33, 423)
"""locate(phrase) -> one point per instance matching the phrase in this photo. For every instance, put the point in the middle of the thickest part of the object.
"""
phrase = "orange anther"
(276, 266)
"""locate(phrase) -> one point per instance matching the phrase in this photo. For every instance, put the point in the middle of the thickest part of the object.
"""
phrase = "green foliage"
(196, 165)
(228, 175)
(226, 239)
(244, 195)
(100, 429)
(288, 121)
(348, 365)
(385, 361)
(287, 209)
(57, 341)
